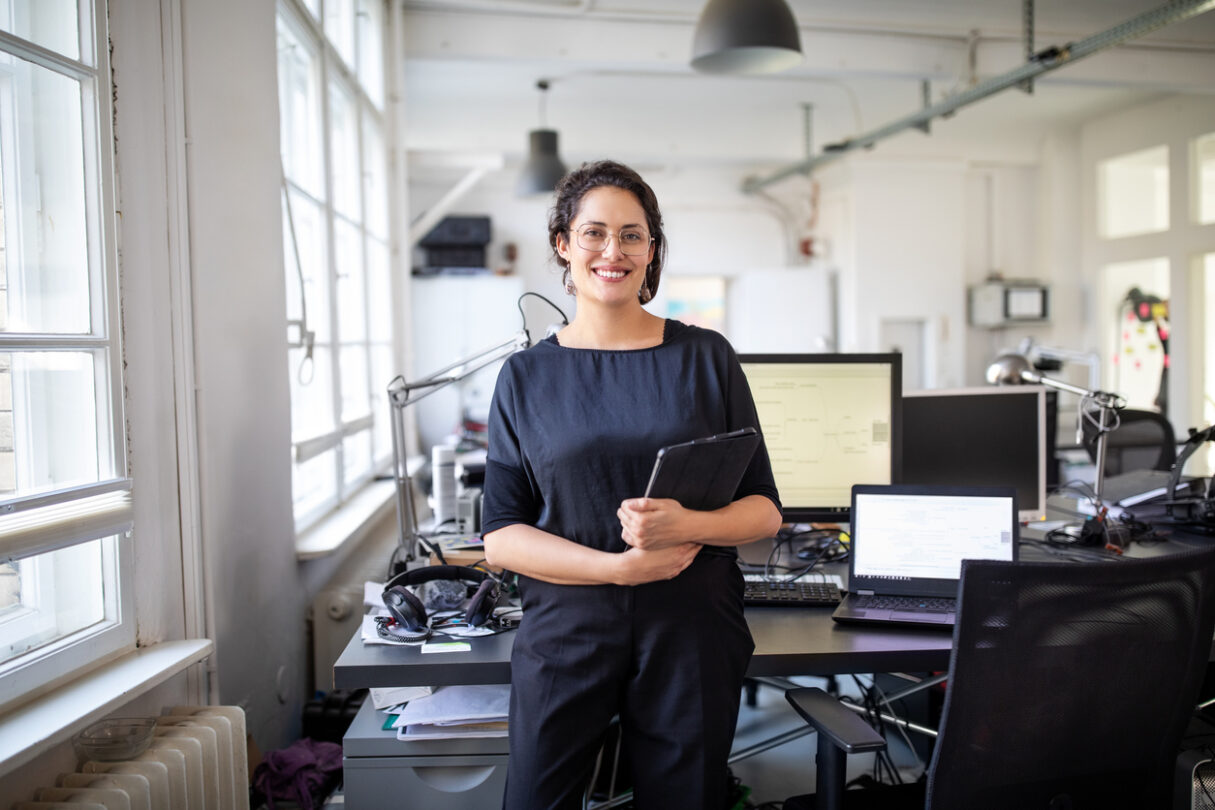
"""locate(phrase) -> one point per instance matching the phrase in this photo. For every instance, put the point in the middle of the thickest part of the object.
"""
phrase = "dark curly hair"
(589, 176)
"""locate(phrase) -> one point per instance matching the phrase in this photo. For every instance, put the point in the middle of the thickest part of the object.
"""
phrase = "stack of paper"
(390, 697)
(456, 711)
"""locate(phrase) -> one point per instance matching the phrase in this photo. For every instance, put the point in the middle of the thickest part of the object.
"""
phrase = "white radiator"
(197, 760)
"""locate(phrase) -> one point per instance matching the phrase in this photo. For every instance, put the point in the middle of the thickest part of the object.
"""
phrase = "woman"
(632, 606)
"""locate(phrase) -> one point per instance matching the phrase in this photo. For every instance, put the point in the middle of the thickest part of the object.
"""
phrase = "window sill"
(53, 718)
(348, 524)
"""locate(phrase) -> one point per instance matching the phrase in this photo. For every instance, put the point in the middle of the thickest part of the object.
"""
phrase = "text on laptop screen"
(928, 536)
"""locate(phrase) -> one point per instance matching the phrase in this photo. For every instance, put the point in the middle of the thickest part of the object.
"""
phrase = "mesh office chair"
(1143, 440)
(1070, 686)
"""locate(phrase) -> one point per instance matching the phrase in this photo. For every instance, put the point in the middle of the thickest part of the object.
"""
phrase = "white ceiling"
(621, 85)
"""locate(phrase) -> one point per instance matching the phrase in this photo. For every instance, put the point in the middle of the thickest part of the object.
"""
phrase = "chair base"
(885, 797)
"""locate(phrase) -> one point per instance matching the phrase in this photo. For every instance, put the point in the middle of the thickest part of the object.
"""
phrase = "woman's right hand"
(639, 566)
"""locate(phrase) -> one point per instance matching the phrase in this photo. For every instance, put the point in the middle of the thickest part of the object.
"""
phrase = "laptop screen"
(912, 539)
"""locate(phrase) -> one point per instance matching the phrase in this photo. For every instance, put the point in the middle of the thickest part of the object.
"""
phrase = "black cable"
(1071, 549)
(519, 303)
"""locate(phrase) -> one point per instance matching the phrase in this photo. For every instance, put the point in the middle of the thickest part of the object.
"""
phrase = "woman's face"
(608, 275)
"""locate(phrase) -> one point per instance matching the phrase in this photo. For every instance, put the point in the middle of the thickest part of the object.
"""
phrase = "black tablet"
(704, 473)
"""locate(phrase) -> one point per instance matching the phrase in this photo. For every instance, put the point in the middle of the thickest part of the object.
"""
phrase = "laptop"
(908, 543)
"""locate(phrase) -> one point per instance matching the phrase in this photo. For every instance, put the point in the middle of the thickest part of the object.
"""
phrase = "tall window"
(64, 507)
(336, 244)
(1147, 234)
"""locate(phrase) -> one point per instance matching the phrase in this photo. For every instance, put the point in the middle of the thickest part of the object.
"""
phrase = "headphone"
(410, 614)
(1200, 509)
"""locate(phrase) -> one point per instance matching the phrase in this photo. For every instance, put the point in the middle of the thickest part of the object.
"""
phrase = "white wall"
(241, 361)
(1173, 121)
(906, 237)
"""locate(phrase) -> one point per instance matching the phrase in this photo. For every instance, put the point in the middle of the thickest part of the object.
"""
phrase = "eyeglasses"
(633, 241)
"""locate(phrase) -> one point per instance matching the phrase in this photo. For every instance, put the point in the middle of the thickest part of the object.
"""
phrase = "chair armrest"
(830, 718)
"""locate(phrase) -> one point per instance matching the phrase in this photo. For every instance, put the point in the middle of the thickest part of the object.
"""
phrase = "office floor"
(788, 770)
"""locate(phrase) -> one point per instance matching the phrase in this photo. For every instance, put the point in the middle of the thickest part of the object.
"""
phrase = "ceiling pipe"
(1043, 62)
(1027, 23)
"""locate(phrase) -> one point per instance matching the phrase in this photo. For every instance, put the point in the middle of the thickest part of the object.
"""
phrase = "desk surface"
(788, 641)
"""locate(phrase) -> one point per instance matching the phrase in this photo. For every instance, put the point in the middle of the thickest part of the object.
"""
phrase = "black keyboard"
(907, 603)
(791, 594)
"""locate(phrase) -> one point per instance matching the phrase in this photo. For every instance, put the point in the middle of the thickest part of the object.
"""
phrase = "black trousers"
(667, 657)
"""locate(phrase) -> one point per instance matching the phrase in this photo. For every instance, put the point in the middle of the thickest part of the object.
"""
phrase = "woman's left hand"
(653, 523)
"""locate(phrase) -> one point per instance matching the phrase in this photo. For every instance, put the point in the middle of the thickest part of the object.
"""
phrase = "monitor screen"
(983, 436)
(829, 421)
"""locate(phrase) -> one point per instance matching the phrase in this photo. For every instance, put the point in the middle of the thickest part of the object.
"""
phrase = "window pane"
(53, 24)
(1204, 178)
(382, 372)
(375, 176)
(344, 152)
(46, 270)
(379, 292)
(311, 393)
(356, 458)
(1134, 305)
(371, 50)
(309, 220)
(339, 27)
(49, 422)
(351, 286)
(1133, 193)
(49, 596)
(356, 390)
(314, 8)
(299, 92)
(314, 485)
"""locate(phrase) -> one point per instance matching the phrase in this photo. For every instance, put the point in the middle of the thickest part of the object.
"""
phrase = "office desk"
(378, 767)
(788, 641)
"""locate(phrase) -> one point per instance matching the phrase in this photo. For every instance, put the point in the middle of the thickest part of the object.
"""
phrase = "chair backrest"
(1072, 680)
(1143, 440)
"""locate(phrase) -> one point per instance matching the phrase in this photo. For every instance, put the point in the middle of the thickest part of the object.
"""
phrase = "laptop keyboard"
(875, 602)
(791, 594)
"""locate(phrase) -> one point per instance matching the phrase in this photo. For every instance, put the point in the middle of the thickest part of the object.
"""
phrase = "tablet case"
(704, 473)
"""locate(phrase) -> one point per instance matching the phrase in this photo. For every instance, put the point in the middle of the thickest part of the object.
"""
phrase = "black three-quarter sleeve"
(740, 413)
(509, 494)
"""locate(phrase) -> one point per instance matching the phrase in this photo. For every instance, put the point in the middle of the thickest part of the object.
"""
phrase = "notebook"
(908, 543)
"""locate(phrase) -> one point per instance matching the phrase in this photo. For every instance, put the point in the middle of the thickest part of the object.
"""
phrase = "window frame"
(47, 666)
(1173, 122)
(335, 75)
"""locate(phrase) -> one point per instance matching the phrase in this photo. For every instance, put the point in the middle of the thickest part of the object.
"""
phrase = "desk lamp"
(403, 393)
(1015, 369)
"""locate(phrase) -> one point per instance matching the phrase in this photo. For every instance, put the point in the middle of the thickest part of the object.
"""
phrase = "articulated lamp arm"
(1013, 369)
(402, 394)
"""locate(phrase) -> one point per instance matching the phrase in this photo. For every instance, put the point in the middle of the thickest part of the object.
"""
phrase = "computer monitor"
(988, 436)
(829, 421)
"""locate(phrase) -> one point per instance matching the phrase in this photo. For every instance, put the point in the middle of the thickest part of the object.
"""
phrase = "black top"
(573, 432)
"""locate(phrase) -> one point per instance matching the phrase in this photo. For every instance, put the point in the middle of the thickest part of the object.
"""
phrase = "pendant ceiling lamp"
(543, 167)
(746, 37)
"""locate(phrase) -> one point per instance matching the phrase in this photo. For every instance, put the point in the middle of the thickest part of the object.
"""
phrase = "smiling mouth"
(610, 273)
